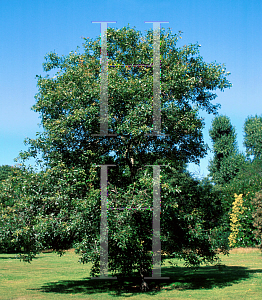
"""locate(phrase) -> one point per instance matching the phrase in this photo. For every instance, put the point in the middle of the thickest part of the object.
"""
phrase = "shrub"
(237, 210)
(257, 215)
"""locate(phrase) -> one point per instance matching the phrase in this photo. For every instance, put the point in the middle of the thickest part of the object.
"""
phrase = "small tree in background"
(253, 136)
(225, 166)
(227, 160)
(248, 182)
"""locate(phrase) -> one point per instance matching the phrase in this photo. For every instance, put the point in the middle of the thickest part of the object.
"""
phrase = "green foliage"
(227, 162)
(247, 182)
(253, 136)
(51, 212)
(69, 102)
(233, 173)
(45, 213)
(60, 207)
(257, 215)
(6, 171)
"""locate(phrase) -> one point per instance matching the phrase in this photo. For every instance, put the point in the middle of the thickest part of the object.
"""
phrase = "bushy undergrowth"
(257, 215)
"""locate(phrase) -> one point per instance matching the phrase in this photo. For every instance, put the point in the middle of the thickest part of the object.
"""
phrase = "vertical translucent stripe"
(156, 79)
(104, 82)
(104, 226)
(156, 241)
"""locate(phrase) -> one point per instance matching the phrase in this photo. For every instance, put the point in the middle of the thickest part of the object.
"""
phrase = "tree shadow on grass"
(181, 278)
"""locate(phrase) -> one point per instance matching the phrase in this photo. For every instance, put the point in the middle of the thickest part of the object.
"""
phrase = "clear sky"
(229, 32)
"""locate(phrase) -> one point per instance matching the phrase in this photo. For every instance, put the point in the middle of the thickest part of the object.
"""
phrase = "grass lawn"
(52, 277)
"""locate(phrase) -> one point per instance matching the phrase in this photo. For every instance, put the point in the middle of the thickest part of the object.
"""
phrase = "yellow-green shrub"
(238, 210)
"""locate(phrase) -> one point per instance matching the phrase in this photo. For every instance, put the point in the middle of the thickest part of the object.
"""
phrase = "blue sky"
(229, 32)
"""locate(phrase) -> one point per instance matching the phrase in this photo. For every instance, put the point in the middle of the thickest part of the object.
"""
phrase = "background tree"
(234, 174)
(69, 109)
(257, 214)
(253, 136)
(247, 182)
(227, 160)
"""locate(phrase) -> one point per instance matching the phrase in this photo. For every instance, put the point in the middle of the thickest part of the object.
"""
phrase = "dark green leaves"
(253, 136)
(60, 206)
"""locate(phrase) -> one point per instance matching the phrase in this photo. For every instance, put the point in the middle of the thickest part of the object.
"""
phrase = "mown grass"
(53, 277)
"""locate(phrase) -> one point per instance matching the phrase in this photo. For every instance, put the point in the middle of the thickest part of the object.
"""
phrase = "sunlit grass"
(53, 277)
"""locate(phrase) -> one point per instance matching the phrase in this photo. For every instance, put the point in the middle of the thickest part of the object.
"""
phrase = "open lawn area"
(52, 277)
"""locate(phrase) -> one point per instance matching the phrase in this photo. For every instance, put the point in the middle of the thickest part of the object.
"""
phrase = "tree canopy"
(253, 136)
(227, 160)
(68, 103)
(6, 171)
(62, 206)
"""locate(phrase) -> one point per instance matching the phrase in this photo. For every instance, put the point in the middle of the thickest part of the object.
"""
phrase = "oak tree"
(61, 207)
